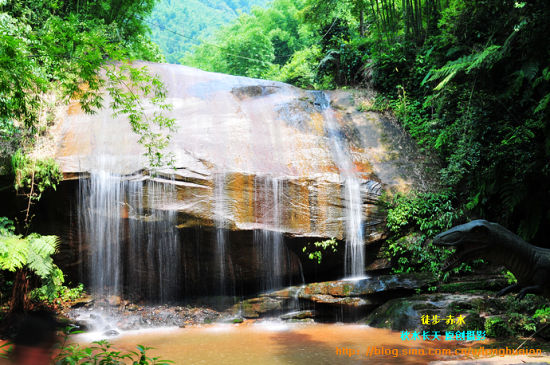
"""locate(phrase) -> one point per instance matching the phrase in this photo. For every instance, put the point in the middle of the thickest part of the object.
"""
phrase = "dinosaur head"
(470, 240)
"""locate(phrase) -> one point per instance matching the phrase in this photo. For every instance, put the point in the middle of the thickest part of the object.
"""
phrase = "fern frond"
(13, 252)
(33, 251)
(448, 78)
(483, 59)
(511, 195)
(43, 245)
(329, 57)
(40, 265)
(543, 103)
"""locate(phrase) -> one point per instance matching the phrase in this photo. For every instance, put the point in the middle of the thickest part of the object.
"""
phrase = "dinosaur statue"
(481, 239)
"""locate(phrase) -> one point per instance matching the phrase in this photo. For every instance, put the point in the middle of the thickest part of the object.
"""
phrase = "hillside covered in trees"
(195, 20)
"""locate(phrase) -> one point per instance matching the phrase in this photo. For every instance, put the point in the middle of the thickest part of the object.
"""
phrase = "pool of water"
(272, 343)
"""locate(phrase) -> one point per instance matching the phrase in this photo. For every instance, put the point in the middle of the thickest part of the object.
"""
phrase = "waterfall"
(225, 287)
(100, 207)
(269, 243)
(354, 265)
(131, 235)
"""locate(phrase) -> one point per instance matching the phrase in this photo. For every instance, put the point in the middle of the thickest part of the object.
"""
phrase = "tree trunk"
(19, 297)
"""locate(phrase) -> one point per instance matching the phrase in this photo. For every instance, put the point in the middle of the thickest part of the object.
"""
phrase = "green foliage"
(258, 44)
(34, 176)
(430, 212)
(196, 20)
(413, 220)
(301, 69)
(542, 315)
(32, 252)
(521, 324)
(496, 327)
(6, 226)
(128, 86)
(53, 289)
(475, 93)
(510, 277)
(520, 318)
(71, 49)
(484, 59)
(327, 245)
(101, 352)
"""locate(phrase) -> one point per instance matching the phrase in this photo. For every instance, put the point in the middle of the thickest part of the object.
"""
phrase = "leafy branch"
(32, 177)
(128, 87)
(327, 245)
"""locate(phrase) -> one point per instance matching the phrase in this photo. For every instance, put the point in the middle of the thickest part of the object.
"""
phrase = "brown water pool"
(274, 343)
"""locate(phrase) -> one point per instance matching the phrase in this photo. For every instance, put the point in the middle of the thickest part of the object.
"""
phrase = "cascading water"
(226, 282)
(153, 241)
(133, 244)
(269, 242)
(354, 265)
(100, 225)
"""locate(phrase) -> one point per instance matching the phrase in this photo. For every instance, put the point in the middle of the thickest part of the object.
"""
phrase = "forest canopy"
(178, 25)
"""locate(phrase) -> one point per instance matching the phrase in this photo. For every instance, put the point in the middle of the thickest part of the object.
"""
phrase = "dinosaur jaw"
(463, 253)
(465, 248)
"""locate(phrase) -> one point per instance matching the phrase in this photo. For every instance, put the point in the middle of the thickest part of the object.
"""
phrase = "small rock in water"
(114, 300)
(305, 320)
(298, 315)
(132, 307)
(111, 333)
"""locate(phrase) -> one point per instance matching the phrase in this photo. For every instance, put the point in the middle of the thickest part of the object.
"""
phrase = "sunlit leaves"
(130, 87)
(65, 47)
(32, 252)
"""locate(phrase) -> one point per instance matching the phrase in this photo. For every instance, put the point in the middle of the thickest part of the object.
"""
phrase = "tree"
(256, 44)
(78, 48)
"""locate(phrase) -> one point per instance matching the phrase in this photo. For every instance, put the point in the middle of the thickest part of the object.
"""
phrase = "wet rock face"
(109, 318)
(253, 144)
(352, 298)
(262, 169)
(406, 313)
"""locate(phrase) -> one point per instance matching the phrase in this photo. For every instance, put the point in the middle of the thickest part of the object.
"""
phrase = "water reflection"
(280, 344)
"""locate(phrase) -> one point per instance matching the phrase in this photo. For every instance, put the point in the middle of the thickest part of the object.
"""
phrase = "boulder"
(355, 296)
(405, 313)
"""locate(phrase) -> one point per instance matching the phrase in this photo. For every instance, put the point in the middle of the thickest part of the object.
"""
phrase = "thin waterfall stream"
(269, 242)
(354, 265)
